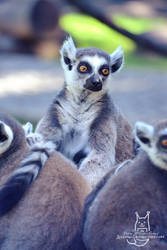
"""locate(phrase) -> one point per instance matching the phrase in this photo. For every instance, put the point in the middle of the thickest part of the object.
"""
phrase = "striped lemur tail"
(21, 179)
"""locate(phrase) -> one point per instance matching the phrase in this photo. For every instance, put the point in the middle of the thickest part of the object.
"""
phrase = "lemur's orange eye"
(105, 71)
(164, 142)
(83, 68)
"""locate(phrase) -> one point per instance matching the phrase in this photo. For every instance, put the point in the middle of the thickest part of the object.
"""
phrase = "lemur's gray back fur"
(137, 186)
(83, 121)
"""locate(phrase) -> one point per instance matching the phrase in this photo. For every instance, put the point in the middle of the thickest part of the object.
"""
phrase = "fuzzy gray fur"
(138, 186)
(48, 215)
(82, 120)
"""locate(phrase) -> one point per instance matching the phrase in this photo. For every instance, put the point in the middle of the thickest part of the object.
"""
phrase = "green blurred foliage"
(89, 32)
(138, 25)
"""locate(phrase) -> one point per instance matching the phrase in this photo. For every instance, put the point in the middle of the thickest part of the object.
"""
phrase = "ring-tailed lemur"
(139, 187)
(48, 215)
(19, 163)
(83, 121)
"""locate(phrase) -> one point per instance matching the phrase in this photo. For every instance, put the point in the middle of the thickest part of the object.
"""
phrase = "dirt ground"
(28, 85)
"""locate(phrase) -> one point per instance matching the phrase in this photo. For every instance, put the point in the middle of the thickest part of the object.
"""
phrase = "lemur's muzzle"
(93, 83)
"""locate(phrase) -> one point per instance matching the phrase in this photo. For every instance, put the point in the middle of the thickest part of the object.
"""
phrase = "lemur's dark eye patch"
(84, 67)
(163, 141)
(104, 70)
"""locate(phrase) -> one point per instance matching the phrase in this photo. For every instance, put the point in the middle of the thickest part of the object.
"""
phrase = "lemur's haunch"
(127, 210)
(48, 215)
(83, 121)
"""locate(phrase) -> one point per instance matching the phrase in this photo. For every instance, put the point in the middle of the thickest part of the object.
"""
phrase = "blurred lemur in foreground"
(83, 121)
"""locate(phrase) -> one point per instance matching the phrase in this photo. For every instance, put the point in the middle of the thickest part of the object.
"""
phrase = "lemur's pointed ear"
(117, 59)
(143, 133)
(68, 52)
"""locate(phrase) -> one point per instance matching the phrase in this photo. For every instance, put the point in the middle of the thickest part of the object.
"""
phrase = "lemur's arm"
(102, 154)
(49, 130)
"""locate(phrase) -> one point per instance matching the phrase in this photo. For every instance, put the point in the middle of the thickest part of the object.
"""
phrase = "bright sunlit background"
(87, 30)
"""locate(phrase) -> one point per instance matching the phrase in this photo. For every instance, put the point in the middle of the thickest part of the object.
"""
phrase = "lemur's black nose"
(95, 83)
(95, 80)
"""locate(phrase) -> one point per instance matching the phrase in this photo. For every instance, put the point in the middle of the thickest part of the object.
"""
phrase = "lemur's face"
(153, 140)
(6, 137)
(89, 68)
(91, 72)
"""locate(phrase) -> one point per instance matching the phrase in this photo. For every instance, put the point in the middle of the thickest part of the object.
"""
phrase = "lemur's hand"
(31, 137)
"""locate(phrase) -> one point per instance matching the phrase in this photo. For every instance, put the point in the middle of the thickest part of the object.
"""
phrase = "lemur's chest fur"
(76, 116)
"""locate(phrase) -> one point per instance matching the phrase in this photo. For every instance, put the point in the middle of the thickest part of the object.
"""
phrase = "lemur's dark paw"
(34, 138)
